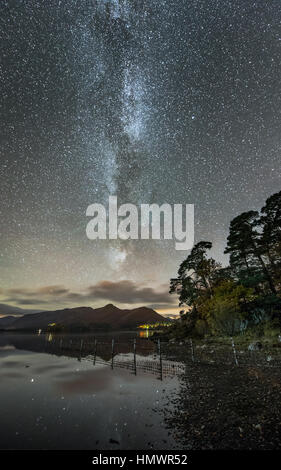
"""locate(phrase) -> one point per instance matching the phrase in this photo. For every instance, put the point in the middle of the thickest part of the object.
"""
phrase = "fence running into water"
(144, 356)
(165, 358)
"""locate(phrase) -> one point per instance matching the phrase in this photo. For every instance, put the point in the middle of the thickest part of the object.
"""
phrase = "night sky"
(173, 101)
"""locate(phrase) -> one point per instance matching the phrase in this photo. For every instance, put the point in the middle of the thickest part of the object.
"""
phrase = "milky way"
(154, 101)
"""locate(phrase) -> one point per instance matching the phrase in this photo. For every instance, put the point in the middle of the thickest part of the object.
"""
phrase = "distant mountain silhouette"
(88, 318)
(7, 321)
(6, 309)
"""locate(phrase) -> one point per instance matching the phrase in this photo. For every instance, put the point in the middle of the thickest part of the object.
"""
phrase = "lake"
(81, 392)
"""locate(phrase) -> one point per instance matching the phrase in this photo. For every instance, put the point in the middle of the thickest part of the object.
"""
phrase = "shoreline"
(224, 406)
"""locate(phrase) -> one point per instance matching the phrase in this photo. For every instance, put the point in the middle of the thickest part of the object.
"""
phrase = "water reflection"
(146, 333)
(51, 400)
(124, 351)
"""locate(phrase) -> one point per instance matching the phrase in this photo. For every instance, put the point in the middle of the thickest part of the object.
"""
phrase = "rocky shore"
(224, 406)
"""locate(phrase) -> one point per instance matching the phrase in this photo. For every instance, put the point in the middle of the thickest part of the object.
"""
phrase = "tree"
(243, 245)
(196, 276)
(228, 307)
(270, 241)
(248, 290)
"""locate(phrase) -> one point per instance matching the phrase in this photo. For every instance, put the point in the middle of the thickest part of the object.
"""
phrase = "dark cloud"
(46, 290)
(128, 292)
(53, 290)
(23, 301)
(124, 291)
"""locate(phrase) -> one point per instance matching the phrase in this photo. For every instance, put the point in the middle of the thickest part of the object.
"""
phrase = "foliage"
(245, 293)
(196, 276)
(201, 328)
(226, 311)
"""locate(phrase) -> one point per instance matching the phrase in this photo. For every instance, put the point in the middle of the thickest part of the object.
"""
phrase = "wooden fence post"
(160, 359)
(234, 351)
(135, 360)
(112, 353)
(95, 352)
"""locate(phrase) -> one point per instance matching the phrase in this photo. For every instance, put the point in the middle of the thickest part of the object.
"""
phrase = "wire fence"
(166, 358)
(136, 356)
(231, 352)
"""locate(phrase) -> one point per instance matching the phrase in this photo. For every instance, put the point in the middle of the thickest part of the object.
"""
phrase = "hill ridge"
(87, 317)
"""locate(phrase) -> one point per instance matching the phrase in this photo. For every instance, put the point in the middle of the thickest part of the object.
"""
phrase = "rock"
(258, 427)
(255, 346)
(113, 441)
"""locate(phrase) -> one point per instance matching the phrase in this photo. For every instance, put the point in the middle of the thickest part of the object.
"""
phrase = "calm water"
(53, 396)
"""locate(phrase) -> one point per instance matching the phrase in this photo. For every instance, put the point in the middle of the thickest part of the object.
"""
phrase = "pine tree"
(243, 245)
(196, 276)
(270, 241)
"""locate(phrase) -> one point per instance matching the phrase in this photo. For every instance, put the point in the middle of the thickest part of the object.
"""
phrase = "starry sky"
(174, 101)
